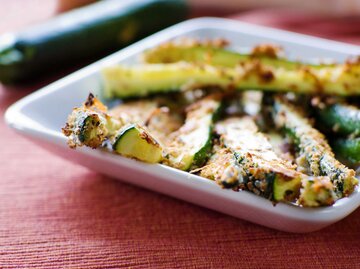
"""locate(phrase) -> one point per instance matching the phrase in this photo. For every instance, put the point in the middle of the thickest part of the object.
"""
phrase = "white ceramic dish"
(41, 115)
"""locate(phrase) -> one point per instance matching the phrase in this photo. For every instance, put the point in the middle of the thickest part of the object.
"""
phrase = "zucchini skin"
(341, 118)
(348, 149)
(91, 31)
(314, 151)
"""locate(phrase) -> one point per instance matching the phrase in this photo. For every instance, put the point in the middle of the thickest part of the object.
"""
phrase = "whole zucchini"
(91, 31)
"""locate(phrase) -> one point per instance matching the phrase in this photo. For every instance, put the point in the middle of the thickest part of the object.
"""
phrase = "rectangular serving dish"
(41, 115)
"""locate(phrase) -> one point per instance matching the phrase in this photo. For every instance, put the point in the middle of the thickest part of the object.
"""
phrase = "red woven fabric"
(55, 214)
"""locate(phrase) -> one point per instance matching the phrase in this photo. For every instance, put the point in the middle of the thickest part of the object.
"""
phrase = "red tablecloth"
(55, 214)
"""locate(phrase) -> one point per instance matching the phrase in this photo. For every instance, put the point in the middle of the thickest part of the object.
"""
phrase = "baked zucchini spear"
(348, 149)
(223, 168)
(192, 143)
(90, 125)
(315, 154)
(264, 173)
(340, 117)
(142, 80)
(316, 191)
(160, 115)
(214, 52)
(246, 160)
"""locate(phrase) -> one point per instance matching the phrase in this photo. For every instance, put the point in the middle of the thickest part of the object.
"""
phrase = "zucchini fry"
(142, 80)
(245, 160)
(264, 173)
(160, 116)
(315, 154)
(348, 149)
(215, 53)
(316, 191)
(223, 168)
(192, 143)
(90, 125)
(340, 117)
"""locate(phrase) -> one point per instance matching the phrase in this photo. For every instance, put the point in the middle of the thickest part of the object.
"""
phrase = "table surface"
(56, 214)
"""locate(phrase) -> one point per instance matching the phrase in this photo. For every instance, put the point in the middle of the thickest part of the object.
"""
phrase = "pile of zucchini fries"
(185, 107)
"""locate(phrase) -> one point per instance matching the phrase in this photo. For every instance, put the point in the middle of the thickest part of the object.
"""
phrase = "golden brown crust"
(94, 104)
(258, 157)
(244, 70)
(267, 50)
(144, 134)
(192, 43)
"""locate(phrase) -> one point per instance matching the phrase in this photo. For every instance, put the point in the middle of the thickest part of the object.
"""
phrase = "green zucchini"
(348, 149)
(135, 142)
(91, 31)
(315, 154)
(192, 143)
(142, 80)
(341, 118)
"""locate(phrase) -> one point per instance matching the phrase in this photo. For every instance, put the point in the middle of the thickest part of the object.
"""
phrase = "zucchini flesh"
(143, 80)
(192, 143)
(315, 154)
(87, 32)
(341, 118)
(264, 173)
(135, 142)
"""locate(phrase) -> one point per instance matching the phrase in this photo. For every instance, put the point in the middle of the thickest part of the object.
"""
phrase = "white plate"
(41, 115)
